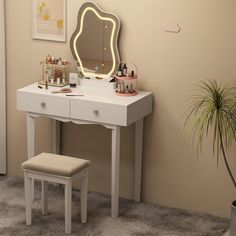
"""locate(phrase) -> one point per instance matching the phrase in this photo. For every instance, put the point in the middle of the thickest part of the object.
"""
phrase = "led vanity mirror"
(94, 42)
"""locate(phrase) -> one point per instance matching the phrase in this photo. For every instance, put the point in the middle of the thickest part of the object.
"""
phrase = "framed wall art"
(49, 20)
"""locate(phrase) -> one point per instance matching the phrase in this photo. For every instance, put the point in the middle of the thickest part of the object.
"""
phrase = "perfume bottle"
(119, 72)
(124, 70)
(132, 74)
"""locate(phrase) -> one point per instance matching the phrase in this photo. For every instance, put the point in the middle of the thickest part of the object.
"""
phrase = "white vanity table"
(96, 106)
(96, 58)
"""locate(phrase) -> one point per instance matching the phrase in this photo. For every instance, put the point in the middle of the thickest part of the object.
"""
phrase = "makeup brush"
(64, 90)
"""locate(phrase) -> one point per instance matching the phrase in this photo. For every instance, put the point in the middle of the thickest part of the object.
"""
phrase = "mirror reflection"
(94, 42)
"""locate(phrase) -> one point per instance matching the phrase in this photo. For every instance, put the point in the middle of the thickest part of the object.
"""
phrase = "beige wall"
(169, 64)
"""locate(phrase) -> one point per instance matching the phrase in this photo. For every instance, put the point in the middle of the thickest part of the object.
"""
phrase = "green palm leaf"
(214, 107)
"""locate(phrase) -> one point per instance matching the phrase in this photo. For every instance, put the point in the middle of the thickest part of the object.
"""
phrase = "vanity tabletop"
(95, 105)
(88, 94)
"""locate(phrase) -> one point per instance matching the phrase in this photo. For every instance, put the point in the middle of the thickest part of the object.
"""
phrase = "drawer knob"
(95, 112)
(43, 104)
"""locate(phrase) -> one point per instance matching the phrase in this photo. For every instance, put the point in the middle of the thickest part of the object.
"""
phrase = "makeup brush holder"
(126, 83)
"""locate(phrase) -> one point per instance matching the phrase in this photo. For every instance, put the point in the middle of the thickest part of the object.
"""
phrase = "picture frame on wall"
(49, 20)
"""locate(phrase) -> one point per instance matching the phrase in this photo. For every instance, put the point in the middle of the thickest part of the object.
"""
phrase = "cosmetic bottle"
(131, 90)
(119, 72)
(63, 78)
(124, 70)
(58, 80)
(123, 87)
(118, 88)
(127, 89)
(59, 62)
(55, 74)
(46, 76)
(48, 59)
(132, 74)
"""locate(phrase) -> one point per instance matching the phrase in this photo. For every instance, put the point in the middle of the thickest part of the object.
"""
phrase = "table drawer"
(43, 104)
(98, 112)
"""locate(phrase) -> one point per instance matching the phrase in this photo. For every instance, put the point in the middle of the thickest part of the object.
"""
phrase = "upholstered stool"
(58, 169)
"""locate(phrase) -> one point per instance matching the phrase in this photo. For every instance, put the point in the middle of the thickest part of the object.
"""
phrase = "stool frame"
(29, 177)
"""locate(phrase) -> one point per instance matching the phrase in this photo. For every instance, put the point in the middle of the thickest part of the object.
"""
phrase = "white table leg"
(138, 159)
(56, 139)
(56, 136)
(115, 171)
(30, 136)
(31, 142)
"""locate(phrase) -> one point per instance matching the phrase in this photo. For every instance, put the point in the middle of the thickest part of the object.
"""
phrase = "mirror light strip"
(89, 74)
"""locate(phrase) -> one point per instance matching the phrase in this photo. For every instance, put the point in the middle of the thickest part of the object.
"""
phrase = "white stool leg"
(44, 197)
(28, 200)
(84, 196)
(68, 199)
(32, 192)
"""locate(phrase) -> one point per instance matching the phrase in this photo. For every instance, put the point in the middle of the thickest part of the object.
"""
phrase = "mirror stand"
(101, 84)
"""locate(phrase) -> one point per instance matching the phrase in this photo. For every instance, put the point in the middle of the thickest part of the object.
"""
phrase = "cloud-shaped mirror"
(94, 42)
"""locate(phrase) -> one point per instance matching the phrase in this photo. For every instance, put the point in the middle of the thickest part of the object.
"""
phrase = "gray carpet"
(135, 219)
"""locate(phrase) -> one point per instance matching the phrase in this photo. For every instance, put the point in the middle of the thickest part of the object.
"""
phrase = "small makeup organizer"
(126, 79)
(54, 72)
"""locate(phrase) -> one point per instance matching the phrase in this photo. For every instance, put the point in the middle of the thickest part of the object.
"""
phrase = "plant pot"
(233, 219)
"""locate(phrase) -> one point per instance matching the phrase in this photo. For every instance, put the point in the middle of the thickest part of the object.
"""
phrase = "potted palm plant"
(214, 107)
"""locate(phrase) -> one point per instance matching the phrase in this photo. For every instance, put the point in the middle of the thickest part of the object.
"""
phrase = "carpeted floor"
(135, 219)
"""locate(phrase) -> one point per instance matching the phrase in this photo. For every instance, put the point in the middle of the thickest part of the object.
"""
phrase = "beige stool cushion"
(55, 164)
